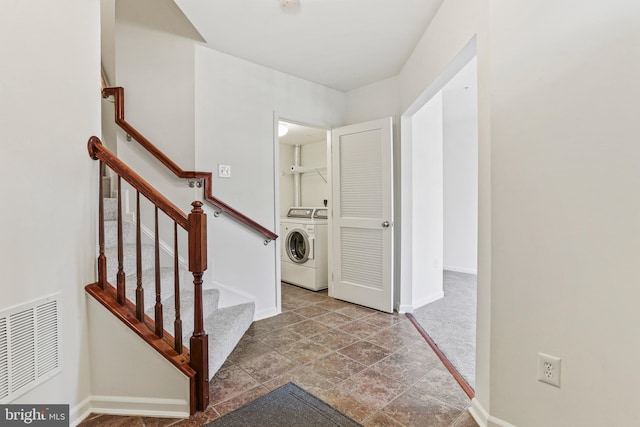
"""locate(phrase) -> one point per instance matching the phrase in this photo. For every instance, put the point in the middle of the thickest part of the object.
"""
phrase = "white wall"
(50, 106)
(565, 175)
(237, 106)
(426, 192)
(314, 188)
(459, 31)
(460, 115)
(135, 381)
(155, 64)
(287, 197)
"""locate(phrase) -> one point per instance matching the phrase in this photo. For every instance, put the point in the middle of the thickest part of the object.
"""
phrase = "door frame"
(302, 121)
(406, 304)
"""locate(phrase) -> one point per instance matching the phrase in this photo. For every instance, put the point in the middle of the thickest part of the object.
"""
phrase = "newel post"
(199, 342)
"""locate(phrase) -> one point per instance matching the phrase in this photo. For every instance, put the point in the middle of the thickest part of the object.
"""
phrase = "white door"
(362, 214)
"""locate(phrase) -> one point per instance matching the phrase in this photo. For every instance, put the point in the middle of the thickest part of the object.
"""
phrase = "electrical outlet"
(224, 171)
(549, 369)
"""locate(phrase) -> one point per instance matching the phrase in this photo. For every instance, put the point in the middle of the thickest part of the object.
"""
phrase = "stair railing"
(114, 298)
(194, 176)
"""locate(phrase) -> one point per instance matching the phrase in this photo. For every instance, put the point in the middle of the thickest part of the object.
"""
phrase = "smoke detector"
(289, 4)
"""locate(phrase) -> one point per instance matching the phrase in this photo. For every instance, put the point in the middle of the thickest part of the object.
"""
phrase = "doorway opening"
(443, 220)
(303, 199)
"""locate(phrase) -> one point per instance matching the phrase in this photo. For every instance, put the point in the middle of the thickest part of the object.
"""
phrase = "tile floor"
(373, 367)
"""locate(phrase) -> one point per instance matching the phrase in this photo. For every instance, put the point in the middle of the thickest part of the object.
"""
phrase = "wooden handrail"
(118, 95)
(98, 152)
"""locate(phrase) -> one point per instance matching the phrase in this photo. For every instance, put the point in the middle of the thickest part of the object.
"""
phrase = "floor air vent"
(29, 346)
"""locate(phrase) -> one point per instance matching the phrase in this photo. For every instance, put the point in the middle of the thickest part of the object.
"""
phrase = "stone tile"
(439, 383)
(414, 409)
(274, 323)
(312, 297)
(311, 311)
(334, 304)
(333, 319)
(391, 339)
(230, 382)
(248, 348)
(305, 351)
(336, 368)
(308, 328)
(160, 422)
(465, 420)
(303, 377)
(241, 400)
(380, 420)
(405, 367)
(334, 339)
(113, 420)
(267, 366)
(198, 419)
(292, 304)
(347, 404)
(280, 340)
(365, 352)
(382, 319)
(360, 329)
(355, 311)
(373, 388)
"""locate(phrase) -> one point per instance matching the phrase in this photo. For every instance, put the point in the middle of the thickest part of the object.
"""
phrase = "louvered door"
(362, 214)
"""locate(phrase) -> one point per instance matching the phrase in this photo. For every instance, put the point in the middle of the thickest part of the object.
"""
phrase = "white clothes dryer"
(304, 248)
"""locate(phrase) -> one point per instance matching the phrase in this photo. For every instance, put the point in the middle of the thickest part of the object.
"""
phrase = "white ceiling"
(342, 44)
(301, 135)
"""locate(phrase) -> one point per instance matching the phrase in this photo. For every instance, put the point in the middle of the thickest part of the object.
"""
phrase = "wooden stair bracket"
(118, 95)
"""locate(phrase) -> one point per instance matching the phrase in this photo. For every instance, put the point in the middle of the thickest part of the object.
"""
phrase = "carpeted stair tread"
(210, 298)
(225, 327)
(110, 208)
(149, 285)
(128, 259)
(111, 233)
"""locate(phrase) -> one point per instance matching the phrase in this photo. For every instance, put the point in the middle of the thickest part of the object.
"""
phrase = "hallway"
(372, 366)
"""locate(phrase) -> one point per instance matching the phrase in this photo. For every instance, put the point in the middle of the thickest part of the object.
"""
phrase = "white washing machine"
(304, 248)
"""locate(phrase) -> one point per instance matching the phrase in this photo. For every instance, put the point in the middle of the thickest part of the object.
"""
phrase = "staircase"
(225, 326)
(167, 306)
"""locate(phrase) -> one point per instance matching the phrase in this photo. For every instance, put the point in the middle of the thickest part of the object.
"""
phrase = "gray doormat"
(287, 406)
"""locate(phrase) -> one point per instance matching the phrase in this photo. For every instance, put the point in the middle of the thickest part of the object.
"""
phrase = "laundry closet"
(304, 197)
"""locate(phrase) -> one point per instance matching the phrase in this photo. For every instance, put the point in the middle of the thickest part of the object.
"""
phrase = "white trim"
(263, 314)
(127, 405)
(460, 269)
(428, 299)
(405, 308)
(80, 411)
(483, 418)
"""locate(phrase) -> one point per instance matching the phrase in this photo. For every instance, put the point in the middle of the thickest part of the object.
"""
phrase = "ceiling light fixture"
(282, 129)
(289, 4)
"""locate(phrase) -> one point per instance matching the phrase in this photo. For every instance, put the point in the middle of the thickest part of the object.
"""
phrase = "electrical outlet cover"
(549, 369)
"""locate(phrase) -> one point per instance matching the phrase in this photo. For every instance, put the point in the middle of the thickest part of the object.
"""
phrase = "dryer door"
(298, 246)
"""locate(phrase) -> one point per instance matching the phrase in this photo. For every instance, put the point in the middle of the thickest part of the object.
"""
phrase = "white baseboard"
(428, 299)
(410, 308)
(230, 296)
(460, 269)
(80, 411)
(263, 314)
(126, 405)
(482, 417)
(405, 308)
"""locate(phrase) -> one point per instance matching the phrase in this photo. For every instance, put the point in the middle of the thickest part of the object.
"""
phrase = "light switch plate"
(224, 171)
